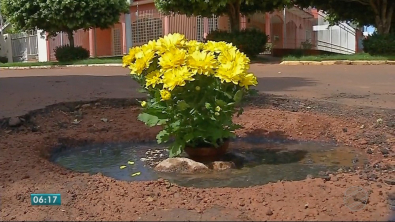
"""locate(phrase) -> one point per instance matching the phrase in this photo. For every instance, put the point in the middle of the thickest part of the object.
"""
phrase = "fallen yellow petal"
(122, 167)
(136, 174)
(130, 162)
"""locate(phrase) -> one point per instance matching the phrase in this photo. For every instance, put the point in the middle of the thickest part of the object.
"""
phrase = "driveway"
(25, 90)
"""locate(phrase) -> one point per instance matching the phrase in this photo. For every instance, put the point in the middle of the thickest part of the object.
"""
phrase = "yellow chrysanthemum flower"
(153, 78)
(241, 58)
(217, 47)
(176, 77)
(150, 46)
(248, 80)
(170, 41)
(230, 72)
(228, 55)
(193, 46)
(143, 61)
(126, 60)
(130, 57)
(143, 104)
(165, 94)
(172, 59)
(202, 62)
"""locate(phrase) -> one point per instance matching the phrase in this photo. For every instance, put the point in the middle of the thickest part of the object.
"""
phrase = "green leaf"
(175, 125)
(142, 90)
(228, 95)
(161, 122)
(176, 149)
(220, 103)
(188, 137)
(238, 96)
(207, 105)
(162, 137)
(148, 119)
(182, 105)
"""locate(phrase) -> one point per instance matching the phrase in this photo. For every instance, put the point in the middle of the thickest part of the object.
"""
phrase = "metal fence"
(338, 39)
(150, 25)
(24, 46)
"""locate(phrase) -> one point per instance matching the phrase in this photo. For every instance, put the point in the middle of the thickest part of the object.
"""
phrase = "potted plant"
(194, 89)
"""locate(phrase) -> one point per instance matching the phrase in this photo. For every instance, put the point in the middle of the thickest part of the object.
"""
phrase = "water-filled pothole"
(266, 161)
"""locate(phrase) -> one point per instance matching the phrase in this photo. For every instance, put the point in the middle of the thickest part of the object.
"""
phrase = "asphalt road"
(357, 85)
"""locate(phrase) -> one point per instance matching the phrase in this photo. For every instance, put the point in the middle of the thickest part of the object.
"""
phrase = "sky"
(370, 29)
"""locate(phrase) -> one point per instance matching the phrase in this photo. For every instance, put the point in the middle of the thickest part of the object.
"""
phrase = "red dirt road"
(25, 90)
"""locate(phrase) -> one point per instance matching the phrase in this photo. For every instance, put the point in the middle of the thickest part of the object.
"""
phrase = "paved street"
(25, 90)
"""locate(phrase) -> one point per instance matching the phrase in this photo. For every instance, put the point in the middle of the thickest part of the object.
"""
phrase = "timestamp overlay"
(45, 199)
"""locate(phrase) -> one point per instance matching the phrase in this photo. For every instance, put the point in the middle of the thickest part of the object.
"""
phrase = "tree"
(379, 13)
(231, 8)
(68, 16)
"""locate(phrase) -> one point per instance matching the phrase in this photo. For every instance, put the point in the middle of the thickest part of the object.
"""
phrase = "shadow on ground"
(278, 84)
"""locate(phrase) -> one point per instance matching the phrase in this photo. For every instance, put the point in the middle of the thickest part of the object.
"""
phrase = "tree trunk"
(234, 16)
(70, 36)
(384, 13)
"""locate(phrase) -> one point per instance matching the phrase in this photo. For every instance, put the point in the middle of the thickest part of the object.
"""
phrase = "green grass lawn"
(353, 57)
(106, 60)
(81, 62)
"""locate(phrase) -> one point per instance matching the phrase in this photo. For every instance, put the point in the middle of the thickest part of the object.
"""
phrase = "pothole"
(264, 161)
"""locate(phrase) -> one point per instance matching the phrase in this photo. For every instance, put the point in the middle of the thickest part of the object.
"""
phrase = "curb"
(61, 66)
(339, 62)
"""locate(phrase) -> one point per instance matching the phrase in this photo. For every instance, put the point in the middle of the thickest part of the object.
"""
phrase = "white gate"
(24, 46)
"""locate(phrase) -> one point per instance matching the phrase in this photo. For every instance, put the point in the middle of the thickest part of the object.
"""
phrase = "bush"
(380, 44)
(3, 59)
(250, 41)
(66, 53)
(193, 93)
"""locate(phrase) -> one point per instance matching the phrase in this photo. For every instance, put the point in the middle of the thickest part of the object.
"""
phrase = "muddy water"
(264, 161)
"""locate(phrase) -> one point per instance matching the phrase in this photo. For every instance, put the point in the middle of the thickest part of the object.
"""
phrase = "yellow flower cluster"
(173, 61)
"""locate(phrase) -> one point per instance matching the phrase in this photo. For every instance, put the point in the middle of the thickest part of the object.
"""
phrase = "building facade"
(289, 28)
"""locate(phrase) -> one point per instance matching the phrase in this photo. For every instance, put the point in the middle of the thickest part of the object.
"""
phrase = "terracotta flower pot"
(207, 154)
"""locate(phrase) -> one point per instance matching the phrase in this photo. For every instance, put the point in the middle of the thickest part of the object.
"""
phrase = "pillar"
(8, 46)
(48, 47)
(128, 32)
(42, 46)
(284, 29)
(166, 21)
(268, 25)
(205, 27)
(92, 42)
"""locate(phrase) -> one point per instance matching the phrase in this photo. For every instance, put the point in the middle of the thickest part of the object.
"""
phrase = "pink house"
(287, 28)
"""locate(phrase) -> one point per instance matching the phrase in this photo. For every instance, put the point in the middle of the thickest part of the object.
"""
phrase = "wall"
(295, 28)
(103, 42)
(3, 47)
(81, 38)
